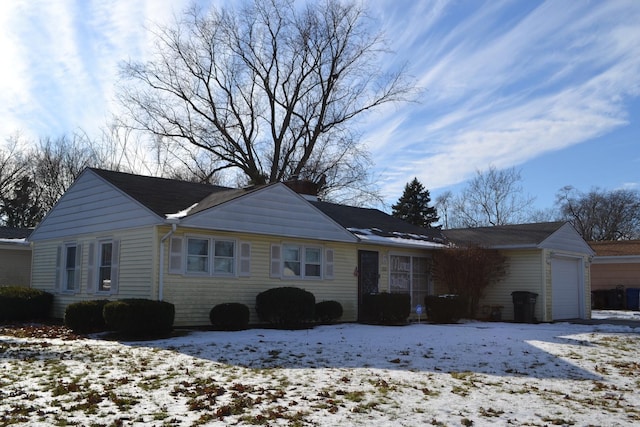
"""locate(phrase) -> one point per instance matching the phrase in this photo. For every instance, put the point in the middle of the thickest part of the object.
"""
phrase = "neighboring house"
(15, 257)
(615, 273)
(549, 259)
(117, 235)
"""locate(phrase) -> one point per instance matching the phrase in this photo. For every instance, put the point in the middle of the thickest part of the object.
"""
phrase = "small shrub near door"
(230, 316)
(445, 308)
(19, 303)
(387, 308)
(85, 316)
(139, 317)
(328, 311)
(286, 307)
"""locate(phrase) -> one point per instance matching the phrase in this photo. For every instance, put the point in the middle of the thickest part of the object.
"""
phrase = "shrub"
(386, 308)
(328, 311)
(19, 303)
(85, 316)
(445, 308)
(139, 317)
(286, 307)
(231, 316)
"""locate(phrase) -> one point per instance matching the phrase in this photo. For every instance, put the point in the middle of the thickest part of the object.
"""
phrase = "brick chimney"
(304, 187)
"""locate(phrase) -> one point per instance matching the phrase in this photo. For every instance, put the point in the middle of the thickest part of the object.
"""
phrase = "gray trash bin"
(524, 305)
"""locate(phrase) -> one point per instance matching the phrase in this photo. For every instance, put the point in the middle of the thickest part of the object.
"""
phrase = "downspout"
(174, 225)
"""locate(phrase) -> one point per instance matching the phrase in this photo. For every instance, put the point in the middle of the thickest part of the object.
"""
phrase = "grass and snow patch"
(465, 374)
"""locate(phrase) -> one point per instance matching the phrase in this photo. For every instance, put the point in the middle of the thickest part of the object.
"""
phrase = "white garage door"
(566, 282)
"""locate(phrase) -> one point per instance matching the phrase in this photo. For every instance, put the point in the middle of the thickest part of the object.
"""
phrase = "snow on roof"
(20, 242)
(396, 238)
(182, 213)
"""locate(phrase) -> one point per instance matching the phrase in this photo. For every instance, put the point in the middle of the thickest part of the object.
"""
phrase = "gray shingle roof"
(168, 196)
(505, 235)
(14, 233)
(382, 224)
(161, 195)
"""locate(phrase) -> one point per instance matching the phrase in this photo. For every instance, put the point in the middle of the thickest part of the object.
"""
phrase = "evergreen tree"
(21, 208)
(413, 206)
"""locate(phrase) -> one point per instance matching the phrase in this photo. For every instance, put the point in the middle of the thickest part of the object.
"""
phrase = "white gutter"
(174, 225)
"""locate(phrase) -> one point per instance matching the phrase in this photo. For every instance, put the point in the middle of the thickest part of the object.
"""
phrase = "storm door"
(368, 276)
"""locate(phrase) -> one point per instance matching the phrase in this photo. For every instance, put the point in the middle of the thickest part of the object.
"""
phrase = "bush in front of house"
(231, 316)
(20, 303)
(139, 317)
(286, 307)
(85, 316)
(387, 308)
(328, 311)
(445, 308)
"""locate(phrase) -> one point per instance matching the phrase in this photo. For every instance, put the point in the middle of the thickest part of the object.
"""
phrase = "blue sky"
(550, 88)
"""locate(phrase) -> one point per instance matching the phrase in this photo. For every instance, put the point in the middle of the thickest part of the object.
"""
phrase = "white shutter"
(115, 266)
(78, 269)
(276, 261)
(59, 269)
(175, 255)
(328, 264)
(245, 259)
(91, 270)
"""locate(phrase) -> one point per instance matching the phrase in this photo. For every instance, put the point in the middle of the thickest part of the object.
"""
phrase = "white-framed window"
(105, 262)
(209, 256)
(197, 255)
(71, 272)
(103, 266)
(301, 262)
(224, 257)
(410, 274)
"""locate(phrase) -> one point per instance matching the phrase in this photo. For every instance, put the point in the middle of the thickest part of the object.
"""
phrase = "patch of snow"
(475, 373)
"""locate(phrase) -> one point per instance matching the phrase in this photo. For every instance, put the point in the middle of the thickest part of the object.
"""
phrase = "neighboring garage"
(615, 275)
(548, 259)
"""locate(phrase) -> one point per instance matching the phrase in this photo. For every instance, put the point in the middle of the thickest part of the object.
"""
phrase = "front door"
(368, 277)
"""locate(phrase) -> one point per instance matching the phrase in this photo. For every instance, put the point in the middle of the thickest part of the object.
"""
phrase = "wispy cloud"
(64, 58)
(504, 82)
(508, 82)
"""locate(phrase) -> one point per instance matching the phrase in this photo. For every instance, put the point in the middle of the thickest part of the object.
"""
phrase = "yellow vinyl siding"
(524, 273)
(194, 296)
(135, 267)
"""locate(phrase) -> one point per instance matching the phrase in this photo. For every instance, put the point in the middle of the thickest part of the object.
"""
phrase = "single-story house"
(615, 274)
(549, 259)
(15, 257)
(116, 235)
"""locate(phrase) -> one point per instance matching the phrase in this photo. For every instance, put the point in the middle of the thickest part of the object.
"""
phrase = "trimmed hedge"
(139, 317)
(286, 307)
(387, 308)
(328, 311)
(19, 303)
(86, 316)
(445, 308)
(231, 316)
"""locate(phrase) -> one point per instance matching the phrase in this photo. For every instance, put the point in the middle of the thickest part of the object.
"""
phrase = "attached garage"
(549, 259)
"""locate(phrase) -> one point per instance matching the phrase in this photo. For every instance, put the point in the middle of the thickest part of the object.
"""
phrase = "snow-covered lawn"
(465, 374)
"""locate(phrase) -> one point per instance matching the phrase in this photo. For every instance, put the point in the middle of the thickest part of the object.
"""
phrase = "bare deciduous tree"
(468, 271)
(600, 214)
(493, 197)
(271, 90)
